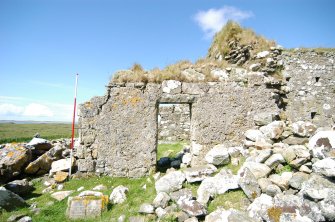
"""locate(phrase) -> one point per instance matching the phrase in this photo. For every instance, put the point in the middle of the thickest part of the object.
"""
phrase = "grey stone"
(262, 54)
(218, 155)
(137, 219)
(255, 66)
(316, 187)
(182, 193)
(61, 195)
(15, 217)
(199, 173)
(258, 169)
(282, 180)
(301, 151)
(297, 163)
(325, 167)
(25, 219)
(218, 184)
(322, 144)
(258, 209)
(12, 160)
(61, 165)
(264, 183)
(261, 119)
(254, 135)
(170, 182)
(161, 200)
(118, 195)
(272, 190)
(86, 206)
(192, 207)
(304, 129)
(10, 201)
(160, 212)
(327, 206)
(297, 179)
(230, 215)
(171, 86)
(293, 140)
(86, 165)
(273, 130)
(146, 208)
(274, 160)
(100, 187)
(121, 218)
(192, 219)
(40, 144)
(247, 181)
(20, 187)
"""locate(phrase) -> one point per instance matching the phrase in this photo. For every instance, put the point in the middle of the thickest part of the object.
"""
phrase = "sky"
(44, 44)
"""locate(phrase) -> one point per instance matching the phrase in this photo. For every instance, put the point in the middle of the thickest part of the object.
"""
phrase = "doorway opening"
(174, 126)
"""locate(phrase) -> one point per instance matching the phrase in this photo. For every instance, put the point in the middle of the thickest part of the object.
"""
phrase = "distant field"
(10, 132)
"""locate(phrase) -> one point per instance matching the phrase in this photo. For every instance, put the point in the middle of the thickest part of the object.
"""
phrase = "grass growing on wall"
(169, 150)
(10, 132)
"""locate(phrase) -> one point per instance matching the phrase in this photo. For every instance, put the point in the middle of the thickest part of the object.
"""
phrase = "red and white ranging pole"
(73, 122)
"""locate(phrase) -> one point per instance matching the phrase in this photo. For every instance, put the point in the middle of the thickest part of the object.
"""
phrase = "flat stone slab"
(86, 206)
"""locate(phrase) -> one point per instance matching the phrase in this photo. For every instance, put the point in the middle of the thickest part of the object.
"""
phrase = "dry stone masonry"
(119, 131)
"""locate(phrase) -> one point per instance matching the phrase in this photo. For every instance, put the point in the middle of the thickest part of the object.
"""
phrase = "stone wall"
(174, 122)
(119, 131)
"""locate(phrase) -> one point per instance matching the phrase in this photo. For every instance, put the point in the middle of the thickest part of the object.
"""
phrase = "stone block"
(86, 165)
(86, 206)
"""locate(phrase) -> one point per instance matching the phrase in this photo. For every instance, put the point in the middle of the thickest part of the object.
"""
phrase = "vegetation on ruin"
(169, 149)
(232, 31)
(10, 132)
(231, 199)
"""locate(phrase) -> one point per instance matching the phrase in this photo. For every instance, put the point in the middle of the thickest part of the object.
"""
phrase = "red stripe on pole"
(74, 112)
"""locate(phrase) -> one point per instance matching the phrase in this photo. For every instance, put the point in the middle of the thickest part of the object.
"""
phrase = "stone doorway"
(173, 133)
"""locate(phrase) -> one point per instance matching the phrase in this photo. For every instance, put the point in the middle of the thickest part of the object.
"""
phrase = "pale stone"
(61, 195)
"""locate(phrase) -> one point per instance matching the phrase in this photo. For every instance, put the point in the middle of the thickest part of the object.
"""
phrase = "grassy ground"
(56, 212)
(169, 150)
(10, 132)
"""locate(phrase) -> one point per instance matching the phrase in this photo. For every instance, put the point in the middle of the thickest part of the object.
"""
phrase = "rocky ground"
(287, 173)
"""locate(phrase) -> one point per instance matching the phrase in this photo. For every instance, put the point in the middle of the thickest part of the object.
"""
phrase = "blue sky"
(43, 44)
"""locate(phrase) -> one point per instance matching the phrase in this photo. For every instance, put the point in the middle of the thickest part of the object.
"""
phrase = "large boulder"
(40, 144)
(10, 201)
(170, 182)
(13, 158)
(304, 129)
(317, 188)
(249, 184)
(40, 166)
(61, 165)
(118, 195)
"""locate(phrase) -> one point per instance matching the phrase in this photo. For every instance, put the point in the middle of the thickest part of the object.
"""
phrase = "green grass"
(56, 212)
(231, 199)
(286, 168)
(10, 132)
(169, 150)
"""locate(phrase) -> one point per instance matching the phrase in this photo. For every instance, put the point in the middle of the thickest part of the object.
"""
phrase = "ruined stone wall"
(311, 78)
(119, 131)
(174, 122)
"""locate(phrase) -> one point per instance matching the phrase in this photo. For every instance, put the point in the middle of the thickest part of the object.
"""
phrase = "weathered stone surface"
(137, 219)
(40, 144)
(274, 160)
(146, 208)
(192, 219)
(9, 200)
(199, 173)
(25, 219)
(40, 166)
(192, 207)
(171, 86)
(218, 184)
(272, 190)
(100, 187)
(61, 195)
(182, 193)
(325, 167)
(305, 129)
(20, 187)
(262, 119)
(12, 159)
(316, 187)
(273, 130)
(61, 165)
(260, 206)
(230, 215)
(90, 193)
(218, 155)
(322, 144)
(118, 195)
(247, 181)
(161, 200)
(254, 135)
(86, 206)
(170, 182)
(282, 180)
(60, 176)
(327, 206)
(86, 165)
(258, 169)
(297, 179)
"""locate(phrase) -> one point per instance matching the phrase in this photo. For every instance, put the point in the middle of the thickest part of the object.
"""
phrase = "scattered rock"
(262, 54)
(9, 200)
(90, 193)
(254, 135)
(61, 176)
(258, 169)
(322, 144)
(40, 166)
(274, 160)
(100, 187)
(20, 187)
(261, 119)
(249, 184)
(304, 129)
(325, 167)
(282, 180)
(273, 130)
(218, 155)
(61, 195)
(15, 217)
(118, 195)
(170, 182)
(146, 208)
(258, 209)
(297, 179)
(61, 165)
(192, 207)
(199, 173)
(161, 200)
(40, 144)
(183, 193)
(25, 219)
(83, 207)
(230, 215)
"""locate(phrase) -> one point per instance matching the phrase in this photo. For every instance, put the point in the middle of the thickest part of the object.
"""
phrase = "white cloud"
(212, 20)
(37, 110)
(10, 109)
